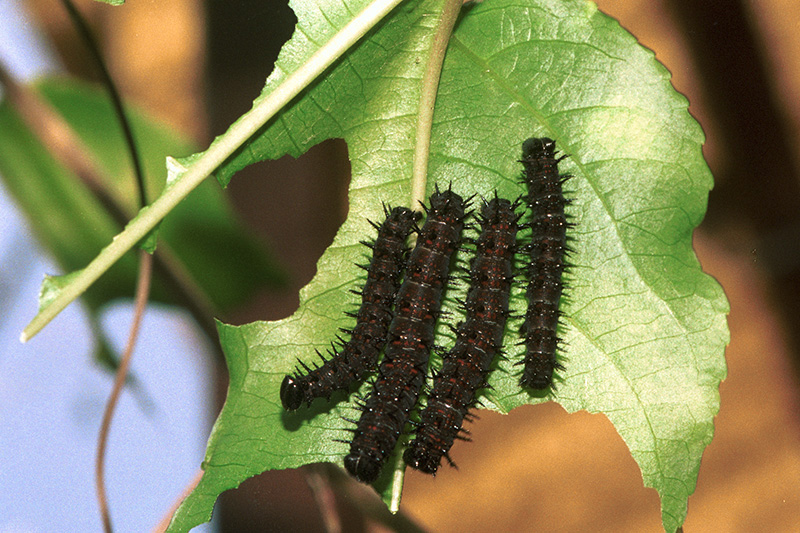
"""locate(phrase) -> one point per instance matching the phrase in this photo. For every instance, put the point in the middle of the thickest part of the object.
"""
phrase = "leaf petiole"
(430, 88)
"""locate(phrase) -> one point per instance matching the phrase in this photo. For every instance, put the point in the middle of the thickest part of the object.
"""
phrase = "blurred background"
(197, 66)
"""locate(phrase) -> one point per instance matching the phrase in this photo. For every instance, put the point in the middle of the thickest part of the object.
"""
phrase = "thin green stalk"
(219, 151)
(398, 478)
(430, 88)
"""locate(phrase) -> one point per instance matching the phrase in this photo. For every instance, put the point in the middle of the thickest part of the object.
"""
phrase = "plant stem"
(142, 293)
(116, 99)
(324, 496)
(430, 88)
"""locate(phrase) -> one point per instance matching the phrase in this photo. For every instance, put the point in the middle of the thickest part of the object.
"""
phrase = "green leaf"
(224, 262)
(112, 2)
(645, 328)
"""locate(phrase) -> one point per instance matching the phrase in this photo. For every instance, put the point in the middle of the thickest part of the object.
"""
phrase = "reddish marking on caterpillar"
(351, 361)
(546, 250)
(479, 339)
(402, 372)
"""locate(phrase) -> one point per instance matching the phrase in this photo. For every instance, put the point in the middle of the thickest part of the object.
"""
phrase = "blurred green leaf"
(224, 261)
